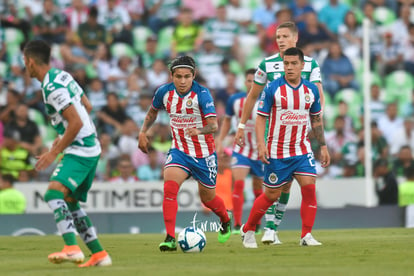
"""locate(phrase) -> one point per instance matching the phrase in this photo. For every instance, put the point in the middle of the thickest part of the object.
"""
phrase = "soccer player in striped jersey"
(68, 107)
(289, 103)
(271, 68)
(245, 158)
(193, 121)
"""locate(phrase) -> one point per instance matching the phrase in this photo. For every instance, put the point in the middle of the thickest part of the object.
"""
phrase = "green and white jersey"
(271, 68)
(59, 91)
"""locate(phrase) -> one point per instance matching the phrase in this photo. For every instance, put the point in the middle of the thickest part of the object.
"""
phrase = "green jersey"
(271, 68)
(60, 91)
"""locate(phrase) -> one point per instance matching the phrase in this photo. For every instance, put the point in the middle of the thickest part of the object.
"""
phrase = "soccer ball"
(192, 240)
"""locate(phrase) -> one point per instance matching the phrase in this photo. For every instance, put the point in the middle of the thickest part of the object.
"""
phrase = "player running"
(290, 103)
(245, 158)
(271, 68)
(68, 107)
(192, 113)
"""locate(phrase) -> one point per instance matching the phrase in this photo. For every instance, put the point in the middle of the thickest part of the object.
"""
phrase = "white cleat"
(277, 241)
(308, 240)
(268, 236)
(248, 238)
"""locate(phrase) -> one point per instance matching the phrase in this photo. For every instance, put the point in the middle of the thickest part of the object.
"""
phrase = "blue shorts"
(281, 171)
(204, 170)
(241, 161)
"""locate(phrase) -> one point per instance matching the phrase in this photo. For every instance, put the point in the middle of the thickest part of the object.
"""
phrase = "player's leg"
(239, 175)
(257, 183)
(173, 178)
(280, 209)
(54, 197)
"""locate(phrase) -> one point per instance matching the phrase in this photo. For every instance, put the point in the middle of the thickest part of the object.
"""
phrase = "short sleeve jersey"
(187, 111)
(289, 109)
(234, 108)
(271, 68)
(60, 91)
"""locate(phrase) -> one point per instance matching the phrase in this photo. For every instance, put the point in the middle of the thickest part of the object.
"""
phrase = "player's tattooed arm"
(211, 127)
(317, 129)
(149, 119)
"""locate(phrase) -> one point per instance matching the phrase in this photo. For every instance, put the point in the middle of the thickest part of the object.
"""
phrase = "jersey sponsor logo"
(273, 178)
(183, 122)
(210, 104)
(293, 118)
(50, 87)
(274, 67)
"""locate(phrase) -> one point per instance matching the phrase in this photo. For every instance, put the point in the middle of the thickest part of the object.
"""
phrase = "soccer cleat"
(225, 229)
(168, 244)
(69, 253)
(277, 241)
(308, 240)
(100, 258)
(268, 236)
(248, 238)
(236, 230)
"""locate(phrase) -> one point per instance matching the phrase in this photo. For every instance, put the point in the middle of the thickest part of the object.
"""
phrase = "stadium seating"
(13, 38)
(399, 86)
(354, 100)
(384, 15)
(119, 49)
(140, 34)
(164, 41)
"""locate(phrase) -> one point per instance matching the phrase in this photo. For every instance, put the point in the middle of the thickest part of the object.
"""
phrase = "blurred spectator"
(119, 74)
(400, 26)
(187, 35)
(408, 108)
(333, 14)
(117, 22)
(15, 160)
(209, 59)
(49, 25)
(91, 34)
(152, 171)
(127, 142)
(408, 46)
(377, 106)
(31, 92)
(147, 58)
(386, 185)
(375, 39)
(32, 8)
(343, 111)
(12, 17)
(125, 171)
(222, 95)
(337, 71)
(406, 189)
(96, 95)
(240, 14)
(390, 122)
(268, 40)
(403, 161)
(380, 147)
(108, 158)
(3, 46)
(350, 37)
(29, 133)
(102, 62)
(390, 55)
(7, 112)
(314, 35)
(264, 15)
(337, 138)
(202, 9)
(162, 139)
(112, 116)
(157, 75)
(136, 10)
(223, 32)
(76, 14)
(145, 100)
(162, 13)
(72, 52)
(12, 201)
(403, 136)
(299, 9)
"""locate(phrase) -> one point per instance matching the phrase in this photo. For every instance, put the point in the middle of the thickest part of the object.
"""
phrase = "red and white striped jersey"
(187, 111)
(234, 108)
(289, 109)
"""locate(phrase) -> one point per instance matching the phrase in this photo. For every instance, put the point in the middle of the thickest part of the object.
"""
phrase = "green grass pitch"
(388, 251)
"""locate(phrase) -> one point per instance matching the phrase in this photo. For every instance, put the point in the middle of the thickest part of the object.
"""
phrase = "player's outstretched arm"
(148, 121)
(319, 133)
(85, 101)
(260, 134)
(251, 99)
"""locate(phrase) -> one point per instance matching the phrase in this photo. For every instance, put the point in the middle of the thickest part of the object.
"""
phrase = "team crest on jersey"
(273, 178)
(307, 98)
(189, 103)
(169, 159)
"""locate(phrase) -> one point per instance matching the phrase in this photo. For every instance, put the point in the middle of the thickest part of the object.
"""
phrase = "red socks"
(308, 208)
(217, 206)
(260, 206)
(238, 200)
(170, 206)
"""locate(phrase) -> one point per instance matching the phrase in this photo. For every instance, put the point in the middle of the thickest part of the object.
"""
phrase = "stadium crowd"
(118, 51)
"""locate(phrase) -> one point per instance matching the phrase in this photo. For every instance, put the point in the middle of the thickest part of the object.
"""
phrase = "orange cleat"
(98, 259)
(69, 253)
